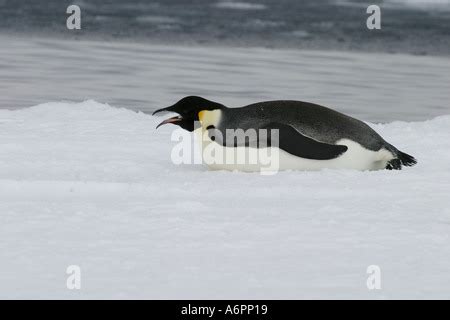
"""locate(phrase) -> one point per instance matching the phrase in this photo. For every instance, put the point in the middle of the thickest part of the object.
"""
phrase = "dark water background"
(408, 26)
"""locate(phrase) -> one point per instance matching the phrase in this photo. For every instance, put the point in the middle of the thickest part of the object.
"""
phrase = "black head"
(188, 109)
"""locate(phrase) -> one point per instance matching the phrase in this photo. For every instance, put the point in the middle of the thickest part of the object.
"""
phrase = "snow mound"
(92, 185)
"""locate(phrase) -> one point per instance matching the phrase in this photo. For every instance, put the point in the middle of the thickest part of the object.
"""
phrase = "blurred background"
(144, 54)
(413, 26)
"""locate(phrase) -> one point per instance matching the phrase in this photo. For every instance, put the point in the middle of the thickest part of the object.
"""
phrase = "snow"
(92, 185)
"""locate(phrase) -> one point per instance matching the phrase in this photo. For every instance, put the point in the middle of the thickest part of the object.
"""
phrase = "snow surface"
(91, 185)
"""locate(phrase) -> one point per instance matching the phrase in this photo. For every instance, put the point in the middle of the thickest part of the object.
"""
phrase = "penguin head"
(188, 109)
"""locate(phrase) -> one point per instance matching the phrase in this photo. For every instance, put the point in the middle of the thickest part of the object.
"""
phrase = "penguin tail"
(402, 159)
(406, 159)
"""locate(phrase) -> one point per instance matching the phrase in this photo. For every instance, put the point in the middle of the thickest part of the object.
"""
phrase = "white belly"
(270, 160)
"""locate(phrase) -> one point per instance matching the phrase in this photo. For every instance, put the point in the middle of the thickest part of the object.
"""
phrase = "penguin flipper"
(297, 144)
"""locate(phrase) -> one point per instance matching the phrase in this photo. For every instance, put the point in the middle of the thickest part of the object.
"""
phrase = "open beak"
(170, 120)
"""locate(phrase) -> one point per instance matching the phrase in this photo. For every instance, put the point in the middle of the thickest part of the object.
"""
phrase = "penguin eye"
(210, 127)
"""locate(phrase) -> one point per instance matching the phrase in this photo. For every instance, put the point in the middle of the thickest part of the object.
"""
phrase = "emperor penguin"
(302, 135)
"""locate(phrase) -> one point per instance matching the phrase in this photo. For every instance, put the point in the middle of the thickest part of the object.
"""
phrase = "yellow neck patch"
(209, 117)
(201, 115)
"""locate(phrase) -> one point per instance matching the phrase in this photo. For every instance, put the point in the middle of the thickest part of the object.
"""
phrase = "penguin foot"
(403, 159)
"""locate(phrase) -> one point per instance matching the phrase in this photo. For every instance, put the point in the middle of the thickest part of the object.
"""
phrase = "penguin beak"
(173, 120)
(161, 110)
